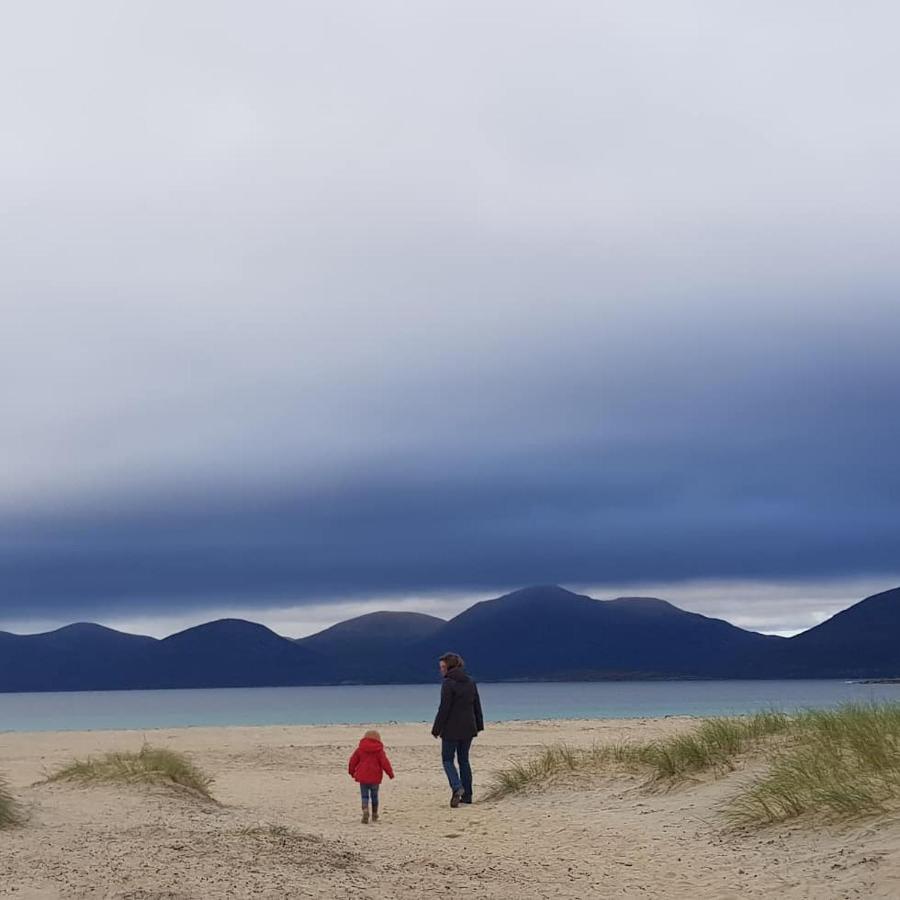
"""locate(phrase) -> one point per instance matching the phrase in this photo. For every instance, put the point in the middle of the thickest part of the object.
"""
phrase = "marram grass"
(713, 744)
(836, 763)
(150, 765)
(840, 764)
(10, 814)
(560, 759)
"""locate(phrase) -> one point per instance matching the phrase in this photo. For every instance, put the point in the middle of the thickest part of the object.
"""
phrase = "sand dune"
(288, 826)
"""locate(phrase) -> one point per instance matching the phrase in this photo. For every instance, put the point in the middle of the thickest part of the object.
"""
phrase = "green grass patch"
(10, 812)
(150, 765)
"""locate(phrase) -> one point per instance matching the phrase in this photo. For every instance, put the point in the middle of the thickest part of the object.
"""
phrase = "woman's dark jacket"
(459, 715)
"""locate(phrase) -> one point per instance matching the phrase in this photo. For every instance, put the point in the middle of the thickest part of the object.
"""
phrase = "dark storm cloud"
(808, 491)
(352, 300)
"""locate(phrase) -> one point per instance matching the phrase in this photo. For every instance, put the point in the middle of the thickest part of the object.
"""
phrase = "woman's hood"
(457, 674)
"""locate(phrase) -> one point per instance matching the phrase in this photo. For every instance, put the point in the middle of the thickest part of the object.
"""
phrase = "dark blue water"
(416, 703)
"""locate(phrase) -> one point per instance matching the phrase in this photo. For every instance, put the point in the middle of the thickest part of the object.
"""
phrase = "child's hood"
(370, 745)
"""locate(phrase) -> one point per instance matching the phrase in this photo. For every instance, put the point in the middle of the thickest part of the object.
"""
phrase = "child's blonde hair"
(373, 734)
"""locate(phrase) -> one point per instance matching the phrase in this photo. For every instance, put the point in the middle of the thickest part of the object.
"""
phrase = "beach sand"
(602, 837)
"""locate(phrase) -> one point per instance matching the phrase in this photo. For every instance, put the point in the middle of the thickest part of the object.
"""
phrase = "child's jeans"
(369, 790)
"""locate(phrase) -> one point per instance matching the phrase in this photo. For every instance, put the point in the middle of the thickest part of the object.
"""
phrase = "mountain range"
(541, 633)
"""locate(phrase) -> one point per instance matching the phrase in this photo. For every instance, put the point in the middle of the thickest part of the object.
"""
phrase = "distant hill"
(374, 630)
(375, 646)
(551, 633)
(84, 657)
(537, 633)
(231, 653)
(862, 641)
(80, 657)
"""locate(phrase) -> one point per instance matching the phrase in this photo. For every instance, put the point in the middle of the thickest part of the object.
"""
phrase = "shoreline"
(390, 723)
(264, 707)
(511, 682)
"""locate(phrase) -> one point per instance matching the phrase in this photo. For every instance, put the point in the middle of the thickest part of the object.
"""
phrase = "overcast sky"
(314, 307)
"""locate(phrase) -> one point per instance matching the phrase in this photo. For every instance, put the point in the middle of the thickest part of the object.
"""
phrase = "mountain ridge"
(538, 633)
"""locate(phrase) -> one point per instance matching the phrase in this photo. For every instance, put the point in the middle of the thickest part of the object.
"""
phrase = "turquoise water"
(417, 703)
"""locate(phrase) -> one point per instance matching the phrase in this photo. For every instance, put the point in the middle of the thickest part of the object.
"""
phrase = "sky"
(311, 308)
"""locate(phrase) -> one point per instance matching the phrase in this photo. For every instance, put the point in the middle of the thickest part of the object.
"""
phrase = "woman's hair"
(372, 734)
(453, 661)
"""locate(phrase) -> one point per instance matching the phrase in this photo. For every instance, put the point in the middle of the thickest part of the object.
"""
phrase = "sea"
(92, 710)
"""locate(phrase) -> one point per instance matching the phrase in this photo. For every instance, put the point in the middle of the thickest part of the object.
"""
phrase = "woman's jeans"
(461, 780)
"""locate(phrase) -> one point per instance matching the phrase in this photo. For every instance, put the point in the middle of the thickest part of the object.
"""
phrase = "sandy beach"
(288, 825)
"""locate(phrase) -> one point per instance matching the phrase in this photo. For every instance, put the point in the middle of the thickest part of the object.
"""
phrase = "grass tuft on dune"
(840, 763)
(150, 765)
(560, 759)
(713, 744)
(10, 814)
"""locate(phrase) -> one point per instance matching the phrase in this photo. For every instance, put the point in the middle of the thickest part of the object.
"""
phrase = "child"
(366, 766)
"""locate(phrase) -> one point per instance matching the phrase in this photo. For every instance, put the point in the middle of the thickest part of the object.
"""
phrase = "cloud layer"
(318, 302)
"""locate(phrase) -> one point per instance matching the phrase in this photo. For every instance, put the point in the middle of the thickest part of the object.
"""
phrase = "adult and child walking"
(458, 721)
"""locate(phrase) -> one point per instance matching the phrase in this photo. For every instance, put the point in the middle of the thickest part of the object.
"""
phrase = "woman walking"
(458, 721)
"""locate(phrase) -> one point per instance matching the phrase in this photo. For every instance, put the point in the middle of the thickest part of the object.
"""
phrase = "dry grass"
(150, 765)
(839, 763)
(557, 760)
(713, 745)
(842, 763)
(10, 813)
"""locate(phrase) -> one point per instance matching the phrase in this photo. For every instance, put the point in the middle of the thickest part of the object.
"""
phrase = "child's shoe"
(365, 818)
(374, 816)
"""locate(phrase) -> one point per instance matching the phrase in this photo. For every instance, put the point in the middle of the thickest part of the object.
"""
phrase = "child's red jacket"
(369, 761)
